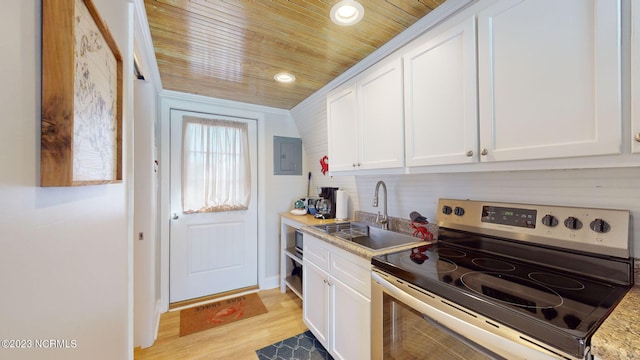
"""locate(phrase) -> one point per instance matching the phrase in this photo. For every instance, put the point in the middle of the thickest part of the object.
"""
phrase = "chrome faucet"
(384, 221)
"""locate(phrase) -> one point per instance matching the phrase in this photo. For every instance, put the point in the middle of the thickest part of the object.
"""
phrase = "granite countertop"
(619, 336)
(396, 224)
(355, 248)
(309, 220)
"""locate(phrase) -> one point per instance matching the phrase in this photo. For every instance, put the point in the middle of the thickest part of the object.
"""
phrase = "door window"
(216, 173)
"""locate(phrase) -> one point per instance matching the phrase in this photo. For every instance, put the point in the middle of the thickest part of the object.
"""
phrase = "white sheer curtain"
(216, 174)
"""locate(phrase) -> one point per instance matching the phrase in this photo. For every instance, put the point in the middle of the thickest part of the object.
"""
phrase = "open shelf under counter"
(295, 284)
(293, 253)
(299, 221)
(289, 223)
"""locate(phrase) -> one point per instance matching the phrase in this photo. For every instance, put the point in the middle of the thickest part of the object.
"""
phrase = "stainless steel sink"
(368, 236)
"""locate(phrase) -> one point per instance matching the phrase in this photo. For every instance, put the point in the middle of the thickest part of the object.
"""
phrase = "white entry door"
(210, 252)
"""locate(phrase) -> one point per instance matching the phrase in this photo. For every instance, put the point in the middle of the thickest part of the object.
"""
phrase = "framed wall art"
(81, 140)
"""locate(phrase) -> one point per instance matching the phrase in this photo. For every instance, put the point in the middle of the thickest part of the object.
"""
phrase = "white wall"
(599, 188)
(65, 266)
(146, 291)
(281, 193)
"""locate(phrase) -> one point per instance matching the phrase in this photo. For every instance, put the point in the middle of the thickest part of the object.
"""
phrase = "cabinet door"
(549, 79)
(381, 117)
(441, 118)
(342, 125)
(635, 76)
(315, 301)
(350, 323)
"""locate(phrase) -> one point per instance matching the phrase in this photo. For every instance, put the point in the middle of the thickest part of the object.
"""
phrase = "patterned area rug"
(300, 347)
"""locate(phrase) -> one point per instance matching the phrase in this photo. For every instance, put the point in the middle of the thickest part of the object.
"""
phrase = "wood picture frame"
(81, 134)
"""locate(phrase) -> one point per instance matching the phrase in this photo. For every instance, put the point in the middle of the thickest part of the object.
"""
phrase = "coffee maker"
(326, 206)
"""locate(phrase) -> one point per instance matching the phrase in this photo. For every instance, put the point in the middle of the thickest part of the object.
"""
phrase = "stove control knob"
(458, 211)
(571, 321)
(600, 226)
(550, 220)
(447, 210)
(549, 313)
(573, 223)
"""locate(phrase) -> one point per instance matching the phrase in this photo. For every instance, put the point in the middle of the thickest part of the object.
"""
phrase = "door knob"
(175, 216)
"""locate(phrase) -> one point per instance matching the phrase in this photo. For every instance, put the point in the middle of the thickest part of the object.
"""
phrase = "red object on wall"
(324, 163)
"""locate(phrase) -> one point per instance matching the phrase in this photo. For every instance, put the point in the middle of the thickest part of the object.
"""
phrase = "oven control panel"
(509, 216)
(601, 231)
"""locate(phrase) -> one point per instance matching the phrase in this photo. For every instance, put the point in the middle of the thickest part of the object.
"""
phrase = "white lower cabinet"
(315, 305)
(336, 299)
(350, 321)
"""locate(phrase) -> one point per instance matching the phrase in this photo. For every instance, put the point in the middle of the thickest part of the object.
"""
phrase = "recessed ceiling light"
(284, 77)
(347, 12)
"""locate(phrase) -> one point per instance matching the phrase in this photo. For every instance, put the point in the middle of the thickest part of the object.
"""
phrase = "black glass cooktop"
(540, 292)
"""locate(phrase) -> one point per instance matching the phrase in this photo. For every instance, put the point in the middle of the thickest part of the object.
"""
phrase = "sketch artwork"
(95, 113)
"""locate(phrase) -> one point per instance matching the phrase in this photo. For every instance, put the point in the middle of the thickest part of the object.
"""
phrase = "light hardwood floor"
(237, 341)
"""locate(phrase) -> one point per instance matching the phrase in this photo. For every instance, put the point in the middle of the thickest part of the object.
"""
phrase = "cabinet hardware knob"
(469, 153)
(175, 216)
(484, 152)
(637, 137)
(354, 164)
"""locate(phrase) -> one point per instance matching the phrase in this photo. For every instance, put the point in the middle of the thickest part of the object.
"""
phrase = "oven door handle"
(508, 343)
(455, 335)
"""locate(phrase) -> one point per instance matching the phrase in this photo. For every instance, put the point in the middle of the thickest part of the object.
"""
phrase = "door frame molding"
(187, 102)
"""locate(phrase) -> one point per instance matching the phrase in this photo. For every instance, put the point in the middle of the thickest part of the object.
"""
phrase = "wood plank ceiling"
(231, 49)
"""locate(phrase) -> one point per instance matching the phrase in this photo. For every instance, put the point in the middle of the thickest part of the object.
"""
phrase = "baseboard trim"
(270, 283)
(181, 305)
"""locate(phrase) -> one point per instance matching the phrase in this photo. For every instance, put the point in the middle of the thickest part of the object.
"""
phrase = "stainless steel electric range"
(505, 280)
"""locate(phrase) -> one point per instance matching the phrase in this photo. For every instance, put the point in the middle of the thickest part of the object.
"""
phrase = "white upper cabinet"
(549, 79)
(635, 76)
(382, 121)
(342, 124)
(365, 120)
(440, 82)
